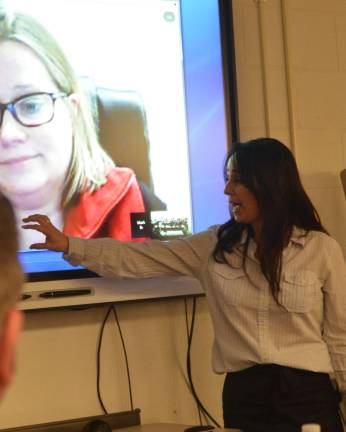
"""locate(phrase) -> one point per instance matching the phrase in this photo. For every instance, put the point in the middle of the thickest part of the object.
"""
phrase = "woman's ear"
(74, 101)
(8, 340)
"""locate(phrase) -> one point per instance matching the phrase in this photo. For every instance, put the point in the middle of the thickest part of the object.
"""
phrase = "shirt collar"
(243, 237)
(298, 236)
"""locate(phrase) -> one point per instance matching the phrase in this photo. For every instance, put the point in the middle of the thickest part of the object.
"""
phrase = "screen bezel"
(231, 121)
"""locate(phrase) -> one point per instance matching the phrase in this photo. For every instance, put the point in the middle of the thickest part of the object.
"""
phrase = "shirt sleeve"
(334, 325)
(112, 258)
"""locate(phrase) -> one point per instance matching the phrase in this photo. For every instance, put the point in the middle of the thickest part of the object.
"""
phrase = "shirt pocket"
(231, 283)
(298, 291)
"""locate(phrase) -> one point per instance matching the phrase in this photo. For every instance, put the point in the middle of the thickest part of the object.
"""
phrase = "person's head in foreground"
(267, 201)
(49, 150)
(11, 280)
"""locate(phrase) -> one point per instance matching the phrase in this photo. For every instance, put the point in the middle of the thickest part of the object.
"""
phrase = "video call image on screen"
(155, 81)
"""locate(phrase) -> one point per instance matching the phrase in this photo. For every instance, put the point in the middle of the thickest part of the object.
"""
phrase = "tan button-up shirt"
(308, 329)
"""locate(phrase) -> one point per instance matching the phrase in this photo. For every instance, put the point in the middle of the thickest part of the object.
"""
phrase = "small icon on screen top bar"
(169, 16)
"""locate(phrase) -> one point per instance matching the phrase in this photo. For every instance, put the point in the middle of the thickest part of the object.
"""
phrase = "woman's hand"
(55, 239)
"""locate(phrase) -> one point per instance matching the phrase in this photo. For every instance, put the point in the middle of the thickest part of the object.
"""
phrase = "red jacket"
(106, 211)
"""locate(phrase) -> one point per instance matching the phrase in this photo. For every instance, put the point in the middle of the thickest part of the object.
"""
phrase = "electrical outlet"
(114, 420)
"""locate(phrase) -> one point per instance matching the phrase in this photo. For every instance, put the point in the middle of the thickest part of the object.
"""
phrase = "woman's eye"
(30, 107)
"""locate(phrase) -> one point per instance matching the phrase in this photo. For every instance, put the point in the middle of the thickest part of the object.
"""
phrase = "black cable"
(98, 360)
(125, 355)
(187, 334)
(205, 418)
(188, 365)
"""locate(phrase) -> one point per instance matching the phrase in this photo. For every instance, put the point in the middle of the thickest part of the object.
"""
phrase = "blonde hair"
(89, 163)
(11, 275)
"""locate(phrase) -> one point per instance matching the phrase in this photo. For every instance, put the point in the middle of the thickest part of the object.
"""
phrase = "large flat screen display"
(152, 72)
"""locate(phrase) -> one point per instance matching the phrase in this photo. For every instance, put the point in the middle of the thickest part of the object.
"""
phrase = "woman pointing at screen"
(276, 286)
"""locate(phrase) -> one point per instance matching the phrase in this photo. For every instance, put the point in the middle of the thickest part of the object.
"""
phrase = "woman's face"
(33, 160)
(245, 207)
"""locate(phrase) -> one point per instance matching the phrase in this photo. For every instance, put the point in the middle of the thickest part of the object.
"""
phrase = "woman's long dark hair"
(268, 169)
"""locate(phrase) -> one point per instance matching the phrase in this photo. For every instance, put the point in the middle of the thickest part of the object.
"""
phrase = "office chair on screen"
(123, 130)
(343, 179)
(123, 133)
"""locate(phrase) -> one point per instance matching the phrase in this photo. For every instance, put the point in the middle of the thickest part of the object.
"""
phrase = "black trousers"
(273, 398)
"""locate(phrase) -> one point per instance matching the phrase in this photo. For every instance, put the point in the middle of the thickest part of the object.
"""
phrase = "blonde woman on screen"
(50, 159)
